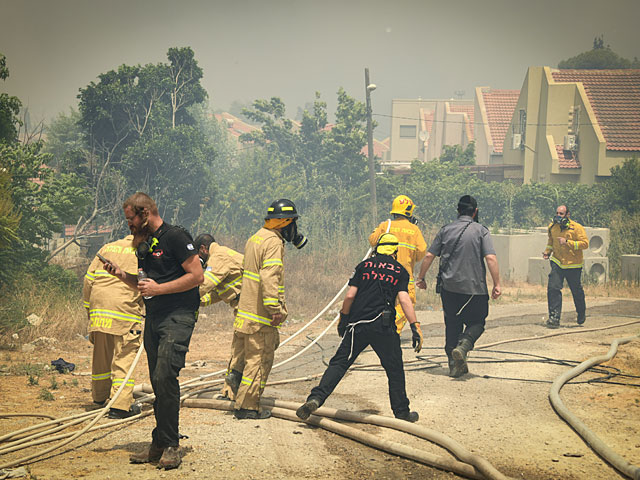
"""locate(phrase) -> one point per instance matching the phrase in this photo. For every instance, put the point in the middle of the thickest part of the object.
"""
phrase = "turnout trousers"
(258, 350)
(464, 317)
(557, 277)
(235, 363)
(386, 345)
(166, 341)
(113, 356)
(401, 319)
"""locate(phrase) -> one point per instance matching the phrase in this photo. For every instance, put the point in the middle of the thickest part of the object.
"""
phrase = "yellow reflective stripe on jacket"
(263, 384)
(280, 288)
(407, 245)
(101, 376)
(564, 267)
(89, 276)
(271, 261)
(212, 277)
(251, 275)
(254, 318)
(575, 245)
(206, 299)
(102, 273)
(96, 312)
(86, 304)
(229, 285)
(269, 301)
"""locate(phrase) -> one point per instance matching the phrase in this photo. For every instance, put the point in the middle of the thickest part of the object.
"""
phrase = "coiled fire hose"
(581, 429)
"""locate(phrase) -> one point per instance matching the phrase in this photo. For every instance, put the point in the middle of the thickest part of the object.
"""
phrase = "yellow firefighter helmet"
(402, 205)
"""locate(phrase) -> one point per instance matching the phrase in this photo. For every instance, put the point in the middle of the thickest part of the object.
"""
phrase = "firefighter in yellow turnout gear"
(116, 314)
(262, 307)
(411, 245)
(222, 281)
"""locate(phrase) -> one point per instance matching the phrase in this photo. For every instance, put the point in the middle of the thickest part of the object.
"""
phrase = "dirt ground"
(500, 410)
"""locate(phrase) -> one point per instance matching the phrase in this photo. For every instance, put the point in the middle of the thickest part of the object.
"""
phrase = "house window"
(408, 131)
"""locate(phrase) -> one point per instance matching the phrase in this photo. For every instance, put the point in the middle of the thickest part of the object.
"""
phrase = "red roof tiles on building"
(234, 125)
(615, 98)
(500, 105)
(470, 111)
(567, 158)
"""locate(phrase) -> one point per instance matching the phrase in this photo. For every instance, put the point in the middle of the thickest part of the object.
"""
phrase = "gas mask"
(562, 221)
(291, 235)
(146, 247)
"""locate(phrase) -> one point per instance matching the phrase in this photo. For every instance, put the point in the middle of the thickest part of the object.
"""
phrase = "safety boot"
(553, 322)
(248, 414)
(171, 458)
(459, 355)
(451, 364)
(581, 318)
(151, 455)
(307, 408)
(409, 417)
(233, 379)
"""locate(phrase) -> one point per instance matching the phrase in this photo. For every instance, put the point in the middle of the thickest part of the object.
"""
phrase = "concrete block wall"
(630, 268)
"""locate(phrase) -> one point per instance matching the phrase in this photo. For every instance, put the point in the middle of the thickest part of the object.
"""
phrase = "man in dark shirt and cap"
(462, 245)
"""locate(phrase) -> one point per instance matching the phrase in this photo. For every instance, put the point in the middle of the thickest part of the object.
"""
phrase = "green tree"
(622, 187)
(459, 156)
(598, 58)
(9, 108)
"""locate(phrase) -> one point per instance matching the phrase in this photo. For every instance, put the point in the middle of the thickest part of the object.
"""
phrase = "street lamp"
(368, 88)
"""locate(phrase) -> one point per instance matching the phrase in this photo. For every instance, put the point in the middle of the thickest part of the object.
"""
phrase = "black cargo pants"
(464, 317)
(166, 341)
(386, 345)
(557, 277)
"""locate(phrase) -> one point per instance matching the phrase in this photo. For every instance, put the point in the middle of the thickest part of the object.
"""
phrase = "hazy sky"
(292, 48)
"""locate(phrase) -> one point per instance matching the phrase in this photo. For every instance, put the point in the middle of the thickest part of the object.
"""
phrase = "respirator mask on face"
(291, 235)
(562, 221)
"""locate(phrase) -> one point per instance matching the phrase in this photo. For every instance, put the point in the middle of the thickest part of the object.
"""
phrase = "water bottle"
(142, 275)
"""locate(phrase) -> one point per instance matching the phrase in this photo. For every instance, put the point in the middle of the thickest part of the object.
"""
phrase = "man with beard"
(169, 260)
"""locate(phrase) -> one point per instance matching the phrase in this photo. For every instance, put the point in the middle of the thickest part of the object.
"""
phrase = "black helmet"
(282, 208)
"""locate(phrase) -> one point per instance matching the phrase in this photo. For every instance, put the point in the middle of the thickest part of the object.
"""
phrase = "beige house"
(420, 128)
(573, 125)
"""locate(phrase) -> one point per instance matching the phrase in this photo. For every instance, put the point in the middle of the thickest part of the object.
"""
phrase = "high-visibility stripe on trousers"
(258, 350)
(113, 355)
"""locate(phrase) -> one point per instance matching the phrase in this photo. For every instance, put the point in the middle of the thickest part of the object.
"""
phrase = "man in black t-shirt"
(367, 318)
(167, 256)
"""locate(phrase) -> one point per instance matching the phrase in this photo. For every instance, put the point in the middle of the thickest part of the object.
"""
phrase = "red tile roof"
(500, 105)
(235, 126)
(469, 110)
(69, 229)
(615, 98)
(567, 158)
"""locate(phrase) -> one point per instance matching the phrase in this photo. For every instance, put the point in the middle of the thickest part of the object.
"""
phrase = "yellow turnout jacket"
(262, 282)
(411, 245)
(222, 276)
(113, 306)
(568, 255)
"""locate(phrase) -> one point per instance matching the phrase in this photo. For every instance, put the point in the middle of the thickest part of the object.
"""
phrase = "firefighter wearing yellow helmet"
(411, 245)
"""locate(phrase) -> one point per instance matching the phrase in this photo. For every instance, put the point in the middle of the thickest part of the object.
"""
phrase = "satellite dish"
(423, 136)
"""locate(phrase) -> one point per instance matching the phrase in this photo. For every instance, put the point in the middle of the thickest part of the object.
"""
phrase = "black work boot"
(307, 408)
(248, 414)
(171, 458)
(150, 455)
(408, 417)
(451, 365)
(459, 355)
(554, 320)
(233, 379)
(581, 318)
(116, 413)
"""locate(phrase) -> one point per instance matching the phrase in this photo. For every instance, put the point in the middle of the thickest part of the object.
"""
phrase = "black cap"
(466, 202)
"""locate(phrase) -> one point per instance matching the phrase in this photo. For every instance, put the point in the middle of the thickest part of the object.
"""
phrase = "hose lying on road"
(581, 429)
(285, 410)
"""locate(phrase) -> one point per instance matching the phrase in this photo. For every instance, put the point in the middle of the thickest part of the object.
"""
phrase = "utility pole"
(368, 88)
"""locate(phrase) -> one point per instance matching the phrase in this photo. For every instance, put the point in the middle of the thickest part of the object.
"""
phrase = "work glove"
(416, 336)
(342, 324)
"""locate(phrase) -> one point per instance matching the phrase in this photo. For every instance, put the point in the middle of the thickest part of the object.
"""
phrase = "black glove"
(416, 336)
(342, 324)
